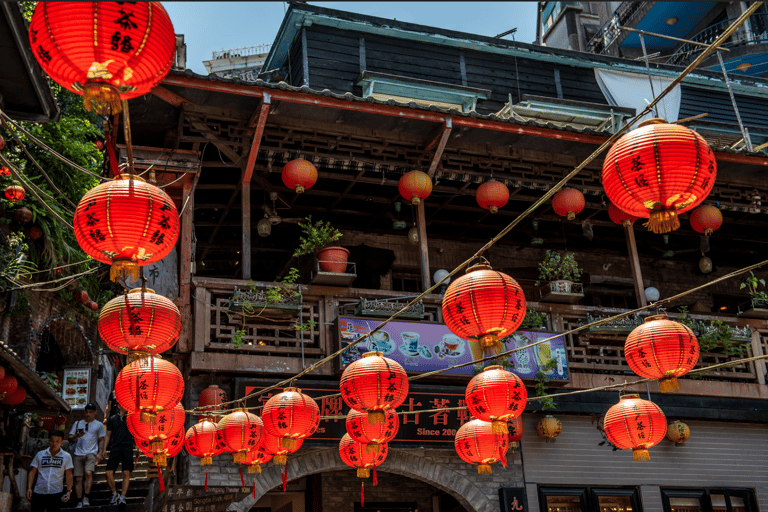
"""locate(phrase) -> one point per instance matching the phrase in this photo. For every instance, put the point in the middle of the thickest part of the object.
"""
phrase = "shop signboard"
(196, 498)
(425, 347)
(77, 387)
(512, 499)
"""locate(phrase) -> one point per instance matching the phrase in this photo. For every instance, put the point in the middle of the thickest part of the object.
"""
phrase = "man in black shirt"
(120, 453)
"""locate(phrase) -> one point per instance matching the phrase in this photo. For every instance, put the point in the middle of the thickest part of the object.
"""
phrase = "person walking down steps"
(89, 435)
(50, 466)
(121, 452)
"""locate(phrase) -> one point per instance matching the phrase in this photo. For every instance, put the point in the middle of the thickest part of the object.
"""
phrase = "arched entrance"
(62, 342)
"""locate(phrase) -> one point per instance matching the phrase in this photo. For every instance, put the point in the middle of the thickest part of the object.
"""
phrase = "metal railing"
(242, 52)
(610, 31)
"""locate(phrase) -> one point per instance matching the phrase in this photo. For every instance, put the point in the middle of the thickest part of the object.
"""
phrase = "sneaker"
(113, 501)
(80, 504)
(85, 502)
(121, 500)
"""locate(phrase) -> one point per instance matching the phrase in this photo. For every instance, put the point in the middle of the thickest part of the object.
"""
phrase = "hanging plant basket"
(255, 304)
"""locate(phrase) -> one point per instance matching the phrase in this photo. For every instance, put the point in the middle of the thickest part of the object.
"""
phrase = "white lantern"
(652, 294)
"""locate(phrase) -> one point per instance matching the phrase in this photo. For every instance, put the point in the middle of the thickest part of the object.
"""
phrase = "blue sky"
(212, 26)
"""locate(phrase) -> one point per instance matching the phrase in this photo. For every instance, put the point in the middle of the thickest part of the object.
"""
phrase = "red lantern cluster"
(658, 171)
(149, 385)
(290, 416)
(515, 427)
(106, 51)
(169, 424)
(274, 446)
(239, 432)
(568, 203)
(210, 402)
(8, 385)
(496, 396)
(357, 455)
(201, 441)
(477, 444)
(619, 217)
(4, 171)
(363, 381)
(706, 219)
(299, 175)
(635, 424)
(160, 452)
(255, 457)
(492, 195)
(415, 186)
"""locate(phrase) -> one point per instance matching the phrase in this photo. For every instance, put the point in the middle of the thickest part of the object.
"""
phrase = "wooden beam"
(245, 198)
(185, 269)
(426, 277)
(634, 262)
(257, 135)
(447, 127)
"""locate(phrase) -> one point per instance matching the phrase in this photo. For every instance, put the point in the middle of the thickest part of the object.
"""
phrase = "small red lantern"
(22, 215)
(299, 175)
(635, 424)
(15, 193)
(161, 452)
(492, 195)
(372, 435)
(33, 232)
(706, 219)
(496, 395)
(274, 446)
(16, 397)
(4, 171)
(363, 381)
(99, 145)
(106, 51)
(662, 349)
(415, 186)
(477, 444)
(255, 458)
(93, 306)
(301, 411)
(81, 296)
(149, 385)
(201, 441)
(658, 171)
(140, 322)
(483, 304)
(239, 432)
(568, 202)
(619, 217)
(515, 427)
(169, 423)
(210, 401)
(357, 455)
(8, 385)
(126, 223)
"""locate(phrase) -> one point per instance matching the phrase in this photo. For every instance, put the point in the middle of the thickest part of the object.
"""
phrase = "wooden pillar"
(246, 209)
(185, 267)
(634, 261)
(757, 350)
(421, 222)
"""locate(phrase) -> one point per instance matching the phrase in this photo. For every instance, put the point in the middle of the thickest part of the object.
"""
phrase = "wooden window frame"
(704, 496)
(589, 495)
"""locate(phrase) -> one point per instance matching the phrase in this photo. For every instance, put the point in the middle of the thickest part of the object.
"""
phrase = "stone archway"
(401, 462)
(68, 337)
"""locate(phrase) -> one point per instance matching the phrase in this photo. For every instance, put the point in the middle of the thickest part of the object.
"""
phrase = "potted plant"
(563, 274)
(316, 238)
(757, 307)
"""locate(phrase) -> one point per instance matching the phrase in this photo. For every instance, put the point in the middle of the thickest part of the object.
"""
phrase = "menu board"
(76, 388)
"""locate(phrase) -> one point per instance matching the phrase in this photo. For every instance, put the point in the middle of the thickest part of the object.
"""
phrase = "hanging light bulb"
(264, 227)
(413, 236)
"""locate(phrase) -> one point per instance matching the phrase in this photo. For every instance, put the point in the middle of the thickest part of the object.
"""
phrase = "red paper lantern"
(210, 401)
(496, 395)
(4, 171)
(160, 453)
(99, 145)
(273, 445)
(620, 217)
(568, 202)
(33, 232)
(22, 215)
(7, 386)
(659, 171)
(299, 175)
(706, 219)
(239, 432)
(2, 143)
(374, 384)
(106, 51)
(15, 193)
(492, 195)
(140, 322)
(372, 435)
(127, 223)
(662, 349)
(255, 457)
(81, 296)
(635, 424)
(477, 444)
(515, 427)
(415, 186)
(92, 305)
(15, 397)
(357, 455)
(291, 415)
(149, 385)
(201, 441)
(169, 423)
(484, 305)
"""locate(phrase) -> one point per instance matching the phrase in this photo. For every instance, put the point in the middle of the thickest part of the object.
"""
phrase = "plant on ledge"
(751, 283)
(315, 236)
(714, 335)
(555, 267)
(534, 320)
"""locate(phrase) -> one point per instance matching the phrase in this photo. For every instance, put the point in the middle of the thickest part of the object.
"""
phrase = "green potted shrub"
(757, 307)
(316, 238)
(562, 272)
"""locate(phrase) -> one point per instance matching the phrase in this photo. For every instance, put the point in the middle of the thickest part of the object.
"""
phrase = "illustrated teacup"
(379, 341)
(452, 343)
(411, 341)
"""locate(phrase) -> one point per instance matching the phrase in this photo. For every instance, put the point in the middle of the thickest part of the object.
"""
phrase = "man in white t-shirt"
(89, 435)
(50, 466)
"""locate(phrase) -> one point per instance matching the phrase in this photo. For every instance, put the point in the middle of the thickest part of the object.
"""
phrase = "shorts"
(87, 462)
(47, 502)
(122, 456)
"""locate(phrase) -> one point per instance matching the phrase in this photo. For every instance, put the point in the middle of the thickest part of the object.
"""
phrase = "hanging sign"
(76, 388)
(512, 499)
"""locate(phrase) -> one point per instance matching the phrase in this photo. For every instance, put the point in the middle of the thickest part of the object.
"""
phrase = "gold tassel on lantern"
(238, 457)
(280, 460)
(206, 461)
(662, 221)
(372, 448)
(363, 472)
(100, 97)
(148, 417)
(288, 443)
(376, 417)
(641, 454)
(157, 445)
(500, 427)
(159, 459)
(124, 267)
(484, 469)
(254, 468)
(135, 355)
(668, 383)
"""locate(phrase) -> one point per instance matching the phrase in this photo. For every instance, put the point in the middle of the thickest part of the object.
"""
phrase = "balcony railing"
(610, 31)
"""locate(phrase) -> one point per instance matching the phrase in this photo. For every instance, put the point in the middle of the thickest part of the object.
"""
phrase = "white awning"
(633, 89)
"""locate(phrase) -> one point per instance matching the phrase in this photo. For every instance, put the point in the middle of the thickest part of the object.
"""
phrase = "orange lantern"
(149, 385)
(662, 349)
(635, 424)
(4, 171)
(161, 452)
(496, 395)
(372, 435)
(239, 432)
(210, 401)
(706, 219)
(678, 432)
(374, 384)
(568, 202)
(169, 423)
(415, 186)
(620, 217)
(201, 441)
(291, 415)
(492, 195)
(274, 446)
(255, 457)
(515, 427)
(299, 175)
(357, 455)
(15, 193)
(549, 428)
(477, 444)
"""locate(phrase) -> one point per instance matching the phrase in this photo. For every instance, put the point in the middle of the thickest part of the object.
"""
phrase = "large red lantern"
(299, 175)
(619, 217)
(477, 444)
(210, 402)
(106, 51)
(15, 397)
(374, 384)
(239, 432)
(706, 219)
(662, 349)
(515, 427)
(149, 385)
(372, 435)
(140, 322)
(15, 193)
(127, 223)
(8, 385)
(275, 447)
(496, 395)
(635, 424)
(658, 171)
(255, 457)
(484, 305)
(201, 441)
(492, 195)
(568, 203)
(358, 456)
(415, 186)
(291, 415)
(161, 452)
(169, 423)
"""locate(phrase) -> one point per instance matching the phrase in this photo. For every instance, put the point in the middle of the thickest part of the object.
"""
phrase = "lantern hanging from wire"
(372, 434)
(357, 455)
(149, 385)
(299, 175)
(257, 456)
(8, 385)
(706, 219)
(201, 441)
(238, 432)
(127, 223)
(374, 384)
(483, 305)
(549, 428)
(105, 51)
(4, 171)
(678, 432)
(15, 193)
(496, 396)
(515, 427)
(635, 424)
(662, 349)
(291, 415)
(619, 217)
(415, 186)
(658, 171)
(15, 397)
(140, 322)
(477, 444)
(568, 203)
(492, 195)
(160, 453)
(81, 296)
(274, 446)
(210, 402)
(169, 423)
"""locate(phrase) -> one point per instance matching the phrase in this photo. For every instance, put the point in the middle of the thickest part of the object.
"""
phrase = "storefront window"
(589, 499)
(709, 500)
(684, 505)
(615, 503)
(564, 504)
